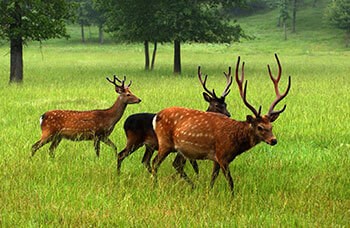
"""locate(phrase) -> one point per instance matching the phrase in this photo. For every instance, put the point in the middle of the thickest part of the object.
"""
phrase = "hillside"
(313, 33)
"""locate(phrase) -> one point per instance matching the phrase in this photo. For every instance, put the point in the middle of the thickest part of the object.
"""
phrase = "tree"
(98, 18)
(283, 15)
(283, 7)
(294, 15)
(338, 14)
(83, 15)
(90, 12)
(135, 21)
(25, 20)
(199, 21)
(167, 20)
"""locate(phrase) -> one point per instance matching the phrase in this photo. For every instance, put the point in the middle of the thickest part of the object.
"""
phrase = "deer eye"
(260, 128)
(128, 94)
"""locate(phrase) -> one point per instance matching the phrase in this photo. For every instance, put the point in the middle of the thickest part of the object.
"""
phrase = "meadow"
(302, 181)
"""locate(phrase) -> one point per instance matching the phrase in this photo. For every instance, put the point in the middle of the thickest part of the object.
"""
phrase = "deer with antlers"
(202, 135)
(139, 130)
(94, 125)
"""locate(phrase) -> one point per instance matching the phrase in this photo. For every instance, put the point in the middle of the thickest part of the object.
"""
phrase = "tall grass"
(302, 181)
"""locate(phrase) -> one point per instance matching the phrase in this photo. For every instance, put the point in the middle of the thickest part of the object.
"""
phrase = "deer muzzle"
(273, 141)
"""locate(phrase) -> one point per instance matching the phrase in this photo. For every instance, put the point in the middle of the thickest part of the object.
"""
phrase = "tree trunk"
(82, 33)
(100, 34)
(177, 57)
(154, 55)
(16, 62)
(285, 30)
(90, 35)
(294, 16)
(146, 55)
(279, 21)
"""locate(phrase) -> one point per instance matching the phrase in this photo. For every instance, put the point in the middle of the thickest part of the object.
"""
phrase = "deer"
(96, 125)
(139, 130)
(198, 135)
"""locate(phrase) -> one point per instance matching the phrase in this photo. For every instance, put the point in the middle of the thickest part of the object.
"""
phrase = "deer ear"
(119, 90)
(272, 117)
(206, 97)
(250, 119)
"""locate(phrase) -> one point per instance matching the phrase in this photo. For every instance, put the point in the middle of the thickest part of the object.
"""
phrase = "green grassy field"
(302, 181)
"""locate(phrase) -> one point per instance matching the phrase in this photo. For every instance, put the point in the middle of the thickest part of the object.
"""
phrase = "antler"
(242, 92)
(120, 81)
(228, 83)
(279, 96)
(205, 81)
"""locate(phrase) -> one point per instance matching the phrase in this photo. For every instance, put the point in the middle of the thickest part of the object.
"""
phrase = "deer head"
(126, 96)
(216, 104)
(261, 124)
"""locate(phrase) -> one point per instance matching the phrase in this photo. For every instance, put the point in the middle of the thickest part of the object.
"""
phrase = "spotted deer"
(203, 135)
(94, 125)
(139, 130)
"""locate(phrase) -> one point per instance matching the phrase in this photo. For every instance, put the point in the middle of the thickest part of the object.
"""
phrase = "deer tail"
(42, 117)
(154, 121)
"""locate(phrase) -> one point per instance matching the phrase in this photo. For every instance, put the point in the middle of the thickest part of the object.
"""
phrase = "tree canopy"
(338, 13)
(33, 19)
(167, 21)
(25, 20)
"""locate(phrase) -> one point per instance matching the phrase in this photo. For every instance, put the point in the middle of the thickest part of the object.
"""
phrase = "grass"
(302, 181)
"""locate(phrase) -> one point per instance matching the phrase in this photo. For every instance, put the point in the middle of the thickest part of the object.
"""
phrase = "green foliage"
(338, 13)
(283, 10)
(89, 12)
(33, 19)
(133, 20)
(98, 14)
(84, 12)
(164, 21)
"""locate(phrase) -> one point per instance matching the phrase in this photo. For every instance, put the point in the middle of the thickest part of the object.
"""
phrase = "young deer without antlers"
(201, 135)
(94, 125)
(139, 130)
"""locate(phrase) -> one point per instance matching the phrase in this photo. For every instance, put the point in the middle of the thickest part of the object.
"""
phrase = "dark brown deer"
(139, 130)
(94, 125)
(203, 135)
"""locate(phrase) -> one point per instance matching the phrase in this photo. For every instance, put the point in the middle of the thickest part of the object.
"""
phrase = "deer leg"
(215, 173)
(36, 146)
(162, 154)
(97, 146)
(129, 149)
(195, 166)
(120, 157)
(226, 170)
(54, 145)
(109, 142)
(146, 160)
(44, 140)
(179, 164)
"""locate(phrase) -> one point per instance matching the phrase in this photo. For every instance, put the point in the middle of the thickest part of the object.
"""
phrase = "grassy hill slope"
(313, 33)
